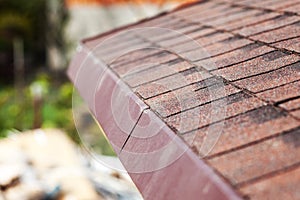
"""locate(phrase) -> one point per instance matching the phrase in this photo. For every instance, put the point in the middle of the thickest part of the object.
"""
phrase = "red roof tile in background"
(242, 82)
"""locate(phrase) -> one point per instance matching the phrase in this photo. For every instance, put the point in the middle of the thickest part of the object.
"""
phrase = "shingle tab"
(262, 64)
(156, 72)
(143, 64)
(205, 40)
(291, 44)
(291, 105)
(215, 49)
(295, 8)
(271, 79)
(185, 98)
(281, 93)
(240, 130)
(296, 114)
(248, 21)
(197, 80)
(280, 34)
(232, 105)
(259, 159)
(282, 186)
(278, 21)
(237, 56)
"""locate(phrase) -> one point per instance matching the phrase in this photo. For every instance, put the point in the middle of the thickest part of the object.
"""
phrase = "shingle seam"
(286, 39)
(275, 88)
(157, 79)
(197, 106)
(196, 38)
(129, 135)
(254, 23)
(261, 73)
(218, 121)
(268, 89)
(252, 94)
(247, 13)
(216, 55)
(277, 104)
(190, 108)
(210, 56)
(145, 69)
(269, 175)
(176, 88)
(270, 45)
(224, 14)
(129, 62)
(222, 120)
(247, 37)
(251, 143)
(88, 53)
(185, 32)
(113, 49)
(294, 109)
(262, 99)
(240, 62)
(154, 80)
(259, 8)
(273, 29)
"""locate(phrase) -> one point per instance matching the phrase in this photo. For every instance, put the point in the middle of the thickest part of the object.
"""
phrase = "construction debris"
(46, 165)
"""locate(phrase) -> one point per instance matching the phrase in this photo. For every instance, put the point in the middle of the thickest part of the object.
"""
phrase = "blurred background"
(37, 40)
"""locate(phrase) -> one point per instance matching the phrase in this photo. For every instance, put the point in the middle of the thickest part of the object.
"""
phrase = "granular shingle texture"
(230, 69)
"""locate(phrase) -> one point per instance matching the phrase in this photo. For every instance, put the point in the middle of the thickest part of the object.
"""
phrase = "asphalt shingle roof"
(240, 80)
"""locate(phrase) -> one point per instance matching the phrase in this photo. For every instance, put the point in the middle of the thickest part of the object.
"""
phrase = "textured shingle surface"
(241, 80)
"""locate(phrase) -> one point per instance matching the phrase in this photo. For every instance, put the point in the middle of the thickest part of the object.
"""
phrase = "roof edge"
(189, 167)
(180, 7)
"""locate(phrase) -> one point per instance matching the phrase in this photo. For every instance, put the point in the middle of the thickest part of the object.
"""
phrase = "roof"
(221, 93)
(110, 2)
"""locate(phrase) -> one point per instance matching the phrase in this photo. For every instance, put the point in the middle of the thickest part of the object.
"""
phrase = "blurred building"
(90, 17)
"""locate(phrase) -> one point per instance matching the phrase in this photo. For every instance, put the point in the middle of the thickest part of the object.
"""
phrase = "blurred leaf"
(12, 24)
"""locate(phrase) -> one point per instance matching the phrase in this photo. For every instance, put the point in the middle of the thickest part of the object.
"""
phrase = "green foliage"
(39, 23)
(17, 114)
(32, 21)
(24, 19)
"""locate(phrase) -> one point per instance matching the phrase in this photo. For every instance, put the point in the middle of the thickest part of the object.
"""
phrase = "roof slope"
(233, 96)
